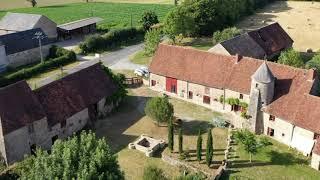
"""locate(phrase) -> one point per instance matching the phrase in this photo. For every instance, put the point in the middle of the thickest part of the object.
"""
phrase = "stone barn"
(17, 22)
(264, 43)
(282, 101)
(21, 48)
(30, 119)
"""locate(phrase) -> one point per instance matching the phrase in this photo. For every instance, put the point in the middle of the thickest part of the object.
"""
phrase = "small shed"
(78, 28)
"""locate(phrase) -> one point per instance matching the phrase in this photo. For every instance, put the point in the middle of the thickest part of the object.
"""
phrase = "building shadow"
(192, 127)
(113, 127)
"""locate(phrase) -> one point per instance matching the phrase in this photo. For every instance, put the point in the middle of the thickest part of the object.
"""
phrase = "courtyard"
(129, 122)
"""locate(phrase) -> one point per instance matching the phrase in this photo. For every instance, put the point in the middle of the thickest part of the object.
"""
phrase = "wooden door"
(171, 85)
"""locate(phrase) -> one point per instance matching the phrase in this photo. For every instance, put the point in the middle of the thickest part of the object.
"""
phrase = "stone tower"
(261, 94)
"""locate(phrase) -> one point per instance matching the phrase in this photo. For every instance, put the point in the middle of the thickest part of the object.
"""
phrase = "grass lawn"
(129, 122)
(34, 81)
(204, 43)
(273, 162)
(140, 58)
(114, 14)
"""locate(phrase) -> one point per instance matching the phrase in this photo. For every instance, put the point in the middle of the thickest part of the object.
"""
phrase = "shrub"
(209, 150)
(153, 173)
(219, 122)
(292, 58)
(264, 141)
(180, 141)
(170, 135)
(159, 109)
(26, 73)
(113, 38)
(152, 40)
(196, 176)
(148, 19)
(314, 63)
(228, 33)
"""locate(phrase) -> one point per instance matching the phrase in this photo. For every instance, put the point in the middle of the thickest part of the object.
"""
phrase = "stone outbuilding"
(263, 43)
(37, 118)
(283, 101)
(17, 22)
(21, 48)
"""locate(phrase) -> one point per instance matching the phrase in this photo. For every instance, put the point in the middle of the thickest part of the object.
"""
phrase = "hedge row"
(109, 40)
(61, 58)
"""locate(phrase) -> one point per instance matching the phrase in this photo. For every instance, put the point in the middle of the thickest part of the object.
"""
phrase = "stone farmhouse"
(264, 43)
(20, 48)
(18, 45)
(30, 119)
(282, 100)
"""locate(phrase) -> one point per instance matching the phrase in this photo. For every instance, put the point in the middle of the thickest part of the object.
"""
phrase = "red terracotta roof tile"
(221, 71)
(18, 107)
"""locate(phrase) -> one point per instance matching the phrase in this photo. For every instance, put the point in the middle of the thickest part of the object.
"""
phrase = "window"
(206, 99)
(190, 95)
(316, 136)
(31, 128)
(282, 134)
(270, 132)
(207, 90)
(53, 139)
(272, 118)
(63, 123)
(241, 96)
(257, 85)
(153, 82)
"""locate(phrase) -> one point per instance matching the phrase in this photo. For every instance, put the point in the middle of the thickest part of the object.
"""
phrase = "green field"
(13, 4)
(114, 14)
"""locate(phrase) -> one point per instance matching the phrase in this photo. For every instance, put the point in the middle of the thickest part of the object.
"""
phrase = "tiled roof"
(80, 23)
(22, 41)
(243, 45)
(221, 71)
(19, 21)
(63, 98)
(18, 107)
(272, 38)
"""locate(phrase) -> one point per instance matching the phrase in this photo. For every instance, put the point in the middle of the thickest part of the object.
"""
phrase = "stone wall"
(315, 161)
(27, 57)
(76, 122)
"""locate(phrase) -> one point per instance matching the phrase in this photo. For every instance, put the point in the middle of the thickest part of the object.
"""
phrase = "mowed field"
(13, 4)
(114, 14)
(299, 19)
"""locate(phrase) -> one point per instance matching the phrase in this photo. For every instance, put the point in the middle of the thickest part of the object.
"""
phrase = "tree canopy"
(228, 33)
(159, 109)
(148, 19)
(314, 62)
(292, 58)
(80, 157)
(151, 41)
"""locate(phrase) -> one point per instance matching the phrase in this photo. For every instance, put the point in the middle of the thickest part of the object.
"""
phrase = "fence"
(133, 82)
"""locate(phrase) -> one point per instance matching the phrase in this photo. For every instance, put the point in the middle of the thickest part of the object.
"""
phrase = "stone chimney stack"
(237, 58)
(311, 74)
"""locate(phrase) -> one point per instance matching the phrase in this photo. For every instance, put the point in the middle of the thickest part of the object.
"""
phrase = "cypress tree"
(209, 150)
(180, 141)
(170, 135)
(199, 146)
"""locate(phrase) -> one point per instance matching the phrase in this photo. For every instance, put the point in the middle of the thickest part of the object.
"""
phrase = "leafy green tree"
(209, 150)
(148, 19)
(79, 157)
(199, 146)
(314, 62)
(33, 3)
(178, 22)
(180, 141)
(228, 33)
(153, 173)
(151, 41)
(170, 135)
(292, 58)
(248, 141)
(159, 109)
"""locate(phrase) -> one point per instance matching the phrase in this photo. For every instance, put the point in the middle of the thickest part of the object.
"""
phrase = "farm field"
(114, 14)
(299, 19)
(13, 4)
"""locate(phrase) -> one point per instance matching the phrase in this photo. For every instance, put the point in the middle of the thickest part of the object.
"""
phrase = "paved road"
(120, 59)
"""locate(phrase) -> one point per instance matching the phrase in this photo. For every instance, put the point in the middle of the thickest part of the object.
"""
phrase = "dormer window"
(241, 96)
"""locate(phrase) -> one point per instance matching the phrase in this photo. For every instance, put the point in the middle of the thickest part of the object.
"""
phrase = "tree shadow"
(192, 127)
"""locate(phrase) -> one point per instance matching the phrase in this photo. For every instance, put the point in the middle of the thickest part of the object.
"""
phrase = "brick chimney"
(237, 58)
(311, 74)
